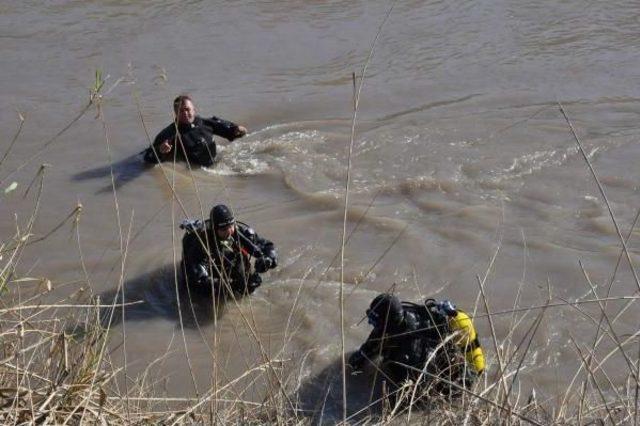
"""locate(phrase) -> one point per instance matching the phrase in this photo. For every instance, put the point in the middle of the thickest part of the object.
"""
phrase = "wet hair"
(177, 102)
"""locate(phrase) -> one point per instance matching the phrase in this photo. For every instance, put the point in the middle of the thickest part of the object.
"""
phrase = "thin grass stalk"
(591, 318)
(604, 195)
(102, 352)
(382, 256)
(192, 307)
(487, 271)
(212, 394)
(80, 251)
(636, 388)
(509, 337)
(385, 395)
(32, 219)
(612, 332)
(421, 377)
(601, 189)
(618, 260)
(342, 249)
(292, 309)
(266, 361)
(494, 337)
(609, 287)
(236, 331)
(631, 300)
(559, 304)
(516, 301)
(14, 139)
(568, 394)
(31, 347)
(175, 276)
(591, 356)
(71, 215)
(620, 398)
(18, 380)
(353, 230)
(508, 410)
(88, 397)
(263, 352)
(356, 103)
(626, 341)
(122, 287)
(583, 391)
(99, 360)
(533, 330)
(94, 96)
(592, 375)
(123, 245)
(159, 360)
(19, 250)
(62, 305)
(100, 259)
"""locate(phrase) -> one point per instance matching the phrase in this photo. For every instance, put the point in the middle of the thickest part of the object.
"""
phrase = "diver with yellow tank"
(430, 343)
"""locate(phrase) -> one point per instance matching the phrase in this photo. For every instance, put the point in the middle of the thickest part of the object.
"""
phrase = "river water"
(463, 167)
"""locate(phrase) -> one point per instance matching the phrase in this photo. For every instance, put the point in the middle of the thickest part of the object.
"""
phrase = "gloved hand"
(356, 360)
(263, 264)
(271, 254)
(191, 225)
(448, 308)
(254, 282)
(202, 275)
(240, 132)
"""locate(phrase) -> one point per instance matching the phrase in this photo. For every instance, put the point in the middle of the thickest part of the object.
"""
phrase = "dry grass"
(51, 374)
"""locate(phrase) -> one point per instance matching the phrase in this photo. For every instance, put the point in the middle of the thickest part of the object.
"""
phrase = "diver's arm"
(226, 129)
(368, 350)
(158, 150)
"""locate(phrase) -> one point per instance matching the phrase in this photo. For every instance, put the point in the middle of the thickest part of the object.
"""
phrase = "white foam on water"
(291, 152)
(238, 168)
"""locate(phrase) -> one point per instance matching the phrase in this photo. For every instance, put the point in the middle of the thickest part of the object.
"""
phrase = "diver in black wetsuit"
(190, 137)
(217, 254)
(421, 342)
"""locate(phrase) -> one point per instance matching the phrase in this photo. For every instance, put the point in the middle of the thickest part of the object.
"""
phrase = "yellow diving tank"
(467, 339)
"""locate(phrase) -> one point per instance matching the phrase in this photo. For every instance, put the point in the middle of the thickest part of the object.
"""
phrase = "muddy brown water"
(460, 155)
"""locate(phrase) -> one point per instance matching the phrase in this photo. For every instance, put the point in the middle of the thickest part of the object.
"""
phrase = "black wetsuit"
(231, 271)
(193, 142)
(405, 347)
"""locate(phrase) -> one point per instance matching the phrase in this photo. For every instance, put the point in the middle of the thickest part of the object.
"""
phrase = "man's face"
(186, 112)
(226, 231)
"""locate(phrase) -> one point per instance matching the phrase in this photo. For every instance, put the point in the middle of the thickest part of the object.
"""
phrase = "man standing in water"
(190, 137)
(216, 255)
